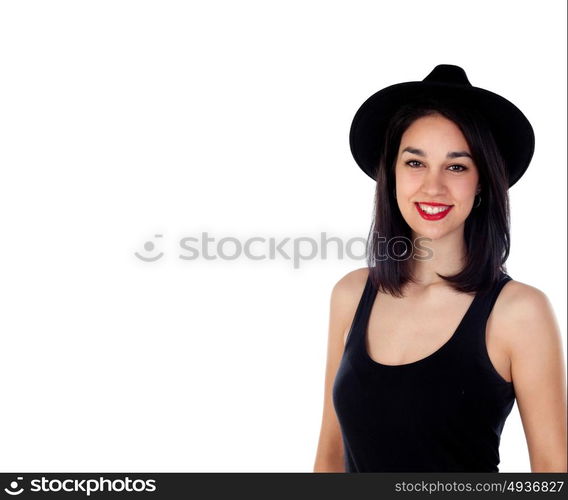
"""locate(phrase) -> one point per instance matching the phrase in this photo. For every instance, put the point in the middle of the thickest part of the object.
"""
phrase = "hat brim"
(511, 129)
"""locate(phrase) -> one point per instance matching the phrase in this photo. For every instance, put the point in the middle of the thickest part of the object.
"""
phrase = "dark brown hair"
(486, 229)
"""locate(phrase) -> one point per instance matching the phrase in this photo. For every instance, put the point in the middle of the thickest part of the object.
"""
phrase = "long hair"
(487, 227)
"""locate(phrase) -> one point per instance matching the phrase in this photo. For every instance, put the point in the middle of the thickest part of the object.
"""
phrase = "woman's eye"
(411, 161)
(412, 164)
(461, 167)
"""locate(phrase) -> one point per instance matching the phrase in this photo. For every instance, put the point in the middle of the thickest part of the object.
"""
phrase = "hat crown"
(448, 74)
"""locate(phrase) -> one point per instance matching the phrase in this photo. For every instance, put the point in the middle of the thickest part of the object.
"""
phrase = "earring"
(478, 203)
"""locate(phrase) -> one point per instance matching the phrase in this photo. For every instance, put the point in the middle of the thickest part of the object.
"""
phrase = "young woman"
(432, 342)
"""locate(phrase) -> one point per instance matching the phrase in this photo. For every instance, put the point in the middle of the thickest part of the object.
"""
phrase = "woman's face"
(433, 165)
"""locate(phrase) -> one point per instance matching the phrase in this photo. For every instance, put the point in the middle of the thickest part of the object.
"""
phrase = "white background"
(120, 120)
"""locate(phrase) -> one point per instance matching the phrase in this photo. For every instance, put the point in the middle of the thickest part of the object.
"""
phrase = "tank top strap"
(487, 299)
(474, 328)
(362, 313)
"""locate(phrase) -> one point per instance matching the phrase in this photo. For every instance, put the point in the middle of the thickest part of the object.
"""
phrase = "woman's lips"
(428, 216)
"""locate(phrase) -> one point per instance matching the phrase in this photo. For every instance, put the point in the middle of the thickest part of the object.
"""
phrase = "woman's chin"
(433, 233)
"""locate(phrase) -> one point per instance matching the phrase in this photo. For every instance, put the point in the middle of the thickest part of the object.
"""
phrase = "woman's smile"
(429, 212)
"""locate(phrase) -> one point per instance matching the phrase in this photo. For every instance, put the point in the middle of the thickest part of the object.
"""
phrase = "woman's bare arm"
(538, 371)
(343, 303)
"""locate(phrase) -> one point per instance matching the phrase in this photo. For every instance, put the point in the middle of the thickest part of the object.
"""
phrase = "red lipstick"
(437, 216)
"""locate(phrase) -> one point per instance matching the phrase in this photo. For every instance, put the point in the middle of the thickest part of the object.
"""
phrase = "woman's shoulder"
(348, 289)
(516, 296)
(352, 283)
(525, 315)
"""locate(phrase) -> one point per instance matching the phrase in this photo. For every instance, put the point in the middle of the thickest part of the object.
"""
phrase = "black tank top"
(442, 413)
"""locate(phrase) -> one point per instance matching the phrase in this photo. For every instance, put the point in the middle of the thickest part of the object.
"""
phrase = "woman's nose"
(433, 183)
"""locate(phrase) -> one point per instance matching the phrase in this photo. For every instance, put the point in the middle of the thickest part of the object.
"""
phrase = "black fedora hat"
(511, 129)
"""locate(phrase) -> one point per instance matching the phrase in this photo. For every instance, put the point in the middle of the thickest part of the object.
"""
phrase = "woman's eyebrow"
(451, 154)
